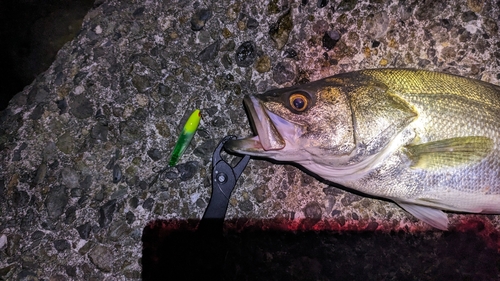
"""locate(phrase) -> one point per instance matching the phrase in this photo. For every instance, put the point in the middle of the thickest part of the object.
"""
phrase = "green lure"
(185, 137)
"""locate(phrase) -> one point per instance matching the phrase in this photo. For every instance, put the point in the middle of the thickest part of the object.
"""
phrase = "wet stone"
(188, 170)
(70, 215)
(56, 202)
(430, 10)
(229, 47)
(86, 268)
(49, 152)
(136, 234)
(280, 30)
(322, 3)
(99, 196)
(312, 211)
(210, 52)
(206, 148)
(70, 178)
(130, 217)
(28, 219)
(200, 203)
(199, 19)
(2, 190)
(76, 192)
(154, 154)
(99, 132)
(118, 230)
(164, 90)
(347, 5)
(229, 77)
(283, 72)
(469, 16)
(84, 230)
(330, 39)
(131, 131)
(143, 185)
(37, 112)
(106, 213)
(148, 204)
(80, 107)
(141, 83)
(171, 175)
(260, 193)
(20, 198)
(163, 196)
(245, 205)
(86, 183)
(117, 173)
(246, 54)
(252, 23)
(99, 52)
(40, 173)
(169, 108)
(37, 235)
(70, 270)
(263, 64)
(25, 274)
(290, 53)
(139, 12)
(61, 245)
(4, 271)
(133, 202)
(65, 143)
(333, 191)
(423, 63)
(17, 153)
(37, 95)
(281, 195)
(102, 257)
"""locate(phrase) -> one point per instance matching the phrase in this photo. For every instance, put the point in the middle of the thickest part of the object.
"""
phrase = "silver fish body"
(428, 141)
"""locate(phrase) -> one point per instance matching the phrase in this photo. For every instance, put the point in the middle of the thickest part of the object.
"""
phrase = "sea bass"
(428, 141)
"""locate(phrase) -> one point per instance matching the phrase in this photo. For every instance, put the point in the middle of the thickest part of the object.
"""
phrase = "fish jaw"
(274, 134)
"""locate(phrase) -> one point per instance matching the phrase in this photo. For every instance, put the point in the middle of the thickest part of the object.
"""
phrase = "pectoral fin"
(434, 217)
(449, 152)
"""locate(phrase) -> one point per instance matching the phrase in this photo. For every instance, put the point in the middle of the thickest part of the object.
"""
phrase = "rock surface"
(84, 148)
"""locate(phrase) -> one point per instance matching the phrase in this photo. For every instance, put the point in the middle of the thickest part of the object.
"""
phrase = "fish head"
(302, 124)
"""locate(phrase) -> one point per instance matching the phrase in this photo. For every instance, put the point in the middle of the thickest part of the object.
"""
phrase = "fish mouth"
(271, 130)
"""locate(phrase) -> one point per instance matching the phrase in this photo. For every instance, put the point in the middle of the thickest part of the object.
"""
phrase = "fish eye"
(298, 102)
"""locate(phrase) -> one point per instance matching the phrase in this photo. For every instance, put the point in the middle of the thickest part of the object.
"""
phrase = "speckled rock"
(280, 31)
(284, 72)
(245, 54)
(210, 52)
(101, 257)
(82, 149)
(56, 201)
(106, 213)
(199, 19)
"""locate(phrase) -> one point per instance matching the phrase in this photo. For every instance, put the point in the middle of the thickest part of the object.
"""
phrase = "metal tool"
(224, 179)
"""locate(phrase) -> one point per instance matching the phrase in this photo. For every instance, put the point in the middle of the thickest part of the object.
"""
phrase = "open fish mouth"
(269, 127)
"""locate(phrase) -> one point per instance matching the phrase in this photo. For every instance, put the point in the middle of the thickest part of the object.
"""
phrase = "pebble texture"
(85, 147)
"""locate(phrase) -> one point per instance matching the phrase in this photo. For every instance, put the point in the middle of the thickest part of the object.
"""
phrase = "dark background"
(31, 33)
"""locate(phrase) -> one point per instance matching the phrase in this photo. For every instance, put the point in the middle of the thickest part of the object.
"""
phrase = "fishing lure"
(185, 137)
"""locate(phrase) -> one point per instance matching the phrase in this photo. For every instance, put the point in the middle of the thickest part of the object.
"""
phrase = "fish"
(428, 141)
